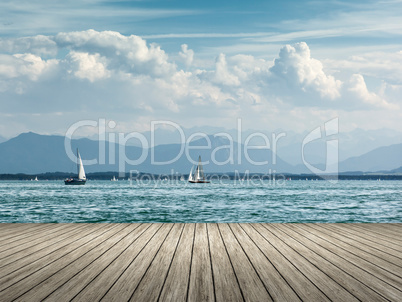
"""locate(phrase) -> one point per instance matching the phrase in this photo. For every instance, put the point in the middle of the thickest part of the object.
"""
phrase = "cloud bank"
(107, 74)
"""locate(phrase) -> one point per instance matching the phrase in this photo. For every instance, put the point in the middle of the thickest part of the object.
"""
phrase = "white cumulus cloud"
(24, 65)
(358, 89)
(296, 70)
(187, 55)
(107, 74)
(222, 73)
(88, 66)
(39, 45)
(130, 53)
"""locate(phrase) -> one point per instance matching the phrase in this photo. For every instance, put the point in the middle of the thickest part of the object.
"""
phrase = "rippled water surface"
(175, 201)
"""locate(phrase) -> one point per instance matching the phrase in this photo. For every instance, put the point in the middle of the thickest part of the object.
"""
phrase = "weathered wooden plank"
(15, 254)
(14, 231)
(99, 286)
(353, 256)
(124, 287)
(304, 288)
(177, 280)
(324, 248)
(201, 287)
(276, 285)
(68, 281)
(354, 286)
(9, 228)
(372, 252)
(286, 262)
(151, 284)
(252, 287)
(391, 232)
(326, 284)
(32, 238)
(368, 237)
(225, 282)
(25, 266)
(17, 289)
(377, 234)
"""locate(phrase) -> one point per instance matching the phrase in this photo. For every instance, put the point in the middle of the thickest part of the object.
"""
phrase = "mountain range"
(380, 159)
(34, 153)
(351, 144)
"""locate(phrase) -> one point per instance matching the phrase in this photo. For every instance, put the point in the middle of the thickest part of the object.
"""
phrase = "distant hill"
(32, 153)
(289, 145)
(379, 159)
(351, 144)
(398, 170)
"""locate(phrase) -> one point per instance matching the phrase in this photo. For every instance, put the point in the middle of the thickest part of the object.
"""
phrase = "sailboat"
(114, 178)
(198, 175)
(81, 179)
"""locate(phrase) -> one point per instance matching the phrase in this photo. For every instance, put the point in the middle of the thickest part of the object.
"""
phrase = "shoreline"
(211, 176)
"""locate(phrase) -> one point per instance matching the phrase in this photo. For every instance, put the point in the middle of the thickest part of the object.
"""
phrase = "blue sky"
(213, 23)
(275, 64)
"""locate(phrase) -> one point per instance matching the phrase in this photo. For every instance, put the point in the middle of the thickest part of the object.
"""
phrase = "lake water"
(176, 201)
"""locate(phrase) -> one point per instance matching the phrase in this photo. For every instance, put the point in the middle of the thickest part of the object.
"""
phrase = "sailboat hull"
(198, 176)
(81, 179)
(75, 182)
(199, 181)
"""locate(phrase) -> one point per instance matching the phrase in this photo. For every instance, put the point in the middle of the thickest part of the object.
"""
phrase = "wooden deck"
(201, 262)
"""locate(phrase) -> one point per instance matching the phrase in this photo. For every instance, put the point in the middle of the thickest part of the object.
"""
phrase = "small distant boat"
(36, 178)
(81, 179)
(114, 179)
(198, 175)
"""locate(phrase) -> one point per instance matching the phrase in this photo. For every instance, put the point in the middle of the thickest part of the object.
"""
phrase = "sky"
(290, 65)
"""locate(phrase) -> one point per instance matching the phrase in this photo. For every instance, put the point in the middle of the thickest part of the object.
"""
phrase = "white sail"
(190, 176)
(198, 175)
(199, 171)
(81, 172)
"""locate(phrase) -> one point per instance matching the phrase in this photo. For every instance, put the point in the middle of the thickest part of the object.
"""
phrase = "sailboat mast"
(200, 169)
(190, 176)
(197, 173)
(198, 176)
(81, 179)
(78, 162)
